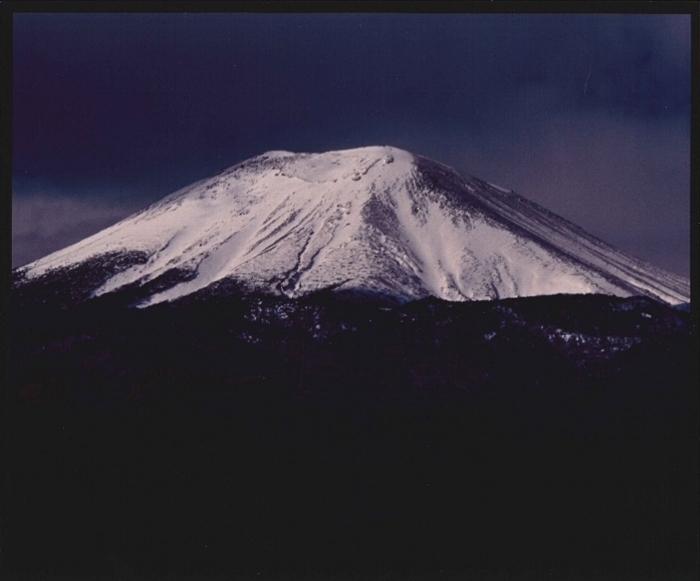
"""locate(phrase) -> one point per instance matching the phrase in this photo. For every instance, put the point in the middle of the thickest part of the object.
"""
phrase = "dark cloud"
(584, 113)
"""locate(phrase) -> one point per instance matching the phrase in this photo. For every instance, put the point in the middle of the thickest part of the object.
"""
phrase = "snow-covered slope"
(375, 219)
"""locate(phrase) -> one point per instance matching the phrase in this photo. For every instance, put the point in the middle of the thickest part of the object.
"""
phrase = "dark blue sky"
(585, 114)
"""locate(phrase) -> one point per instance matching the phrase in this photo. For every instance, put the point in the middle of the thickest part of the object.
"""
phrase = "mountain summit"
(375, 220)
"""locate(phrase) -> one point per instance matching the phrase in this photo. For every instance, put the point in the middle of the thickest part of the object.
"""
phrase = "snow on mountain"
(374, 219)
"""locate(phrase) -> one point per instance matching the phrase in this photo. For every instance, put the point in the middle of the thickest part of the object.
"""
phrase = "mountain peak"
(373, 219)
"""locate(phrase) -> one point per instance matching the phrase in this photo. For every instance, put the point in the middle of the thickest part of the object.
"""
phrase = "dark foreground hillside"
(266, 438)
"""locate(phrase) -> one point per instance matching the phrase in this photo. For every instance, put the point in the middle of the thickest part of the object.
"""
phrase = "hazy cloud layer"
(586, 114)
(44, 223)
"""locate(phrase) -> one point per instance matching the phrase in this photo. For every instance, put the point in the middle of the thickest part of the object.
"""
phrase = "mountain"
(375, 221)
(254, 422)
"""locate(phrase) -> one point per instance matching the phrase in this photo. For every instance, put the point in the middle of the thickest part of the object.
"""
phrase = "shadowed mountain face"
(374, 220)
(332, 434)
(333, 347)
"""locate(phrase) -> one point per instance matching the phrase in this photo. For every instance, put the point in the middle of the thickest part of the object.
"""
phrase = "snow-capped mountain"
(375, 219)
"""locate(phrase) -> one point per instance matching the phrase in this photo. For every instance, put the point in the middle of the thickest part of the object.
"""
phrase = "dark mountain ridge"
(464, 343)
(328, 434)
